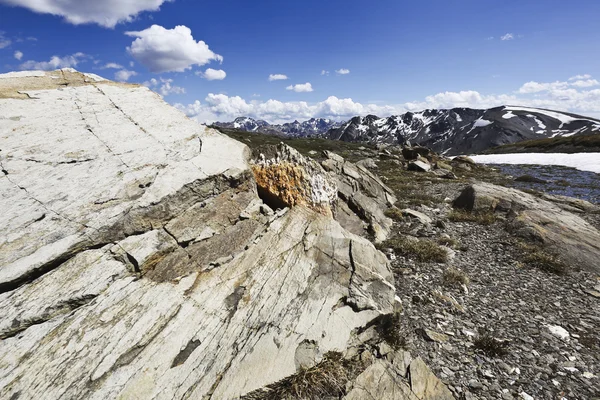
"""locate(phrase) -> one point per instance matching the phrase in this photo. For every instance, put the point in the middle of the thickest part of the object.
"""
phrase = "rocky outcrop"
(361, 194)
(137, 259)
(573, 240)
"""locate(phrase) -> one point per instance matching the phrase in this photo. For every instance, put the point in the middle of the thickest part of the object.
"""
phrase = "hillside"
(464, 130)
(146, 256)
(570, 144)
(314, 127)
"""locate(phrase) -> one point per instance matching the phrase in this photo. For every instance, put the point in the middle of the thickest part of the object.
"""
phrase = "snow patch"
(508, 115)
(581, 161)
(564, 119)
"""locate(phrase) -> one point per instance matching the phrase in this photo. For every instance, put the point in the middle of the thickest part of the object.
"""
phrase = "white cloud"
(18, 55)
(106, 13)
(508, 36)
(277, 77)
(112, 66)
(165, 50)
(301, 87)
(536, 87)
(220, 107)
(580, 77)
(213, 74)
(342, 71)
(124, 75)
(324, 72)
(4, 41)
(586, 83)
(164, 86)
(55, 62)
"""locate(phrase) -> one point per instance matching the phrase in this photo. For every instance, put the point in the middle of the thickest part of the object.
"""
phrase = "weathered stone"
(424, 383)
(435, 336)
(419, 166)
(380, 381)
(422, 218)
(412, 153)
(134, 261)
(574, 240)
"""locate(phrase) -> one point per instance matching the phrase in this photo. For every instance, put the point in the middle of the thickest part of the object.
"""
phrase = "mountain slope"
(465, 130)
(312, 127)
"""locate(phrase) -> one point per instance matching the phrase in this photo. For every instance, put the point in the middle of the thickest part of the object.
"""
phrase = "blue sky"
(396, 55)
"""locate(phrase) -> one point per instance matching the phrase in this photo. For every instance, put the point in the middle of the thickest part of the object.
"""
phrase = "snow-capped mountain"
(312, 127)
(247, 124)
(465, 130)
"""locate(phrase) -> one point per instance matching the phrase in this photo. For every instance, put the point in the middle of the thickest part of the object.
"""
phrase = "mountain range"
(453, 131)
(312, 127)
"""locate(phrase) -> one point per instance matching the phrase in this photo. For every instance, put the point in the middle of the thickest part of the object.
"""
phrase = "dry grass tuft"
(421, 249)
(326, 379)
(453, 276)
(449, 242)
(482, 218)
(394, 213)
(537, 257)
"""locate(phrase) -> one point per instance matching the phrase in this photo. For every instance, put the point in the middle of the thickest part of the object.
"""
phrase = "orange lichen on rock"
(284, 183)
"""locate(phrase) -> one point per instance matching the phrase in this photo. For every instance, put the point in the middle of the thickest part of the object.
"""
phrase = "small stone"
(558, 331)
(525, 396)
(475, 385)
(435, 336)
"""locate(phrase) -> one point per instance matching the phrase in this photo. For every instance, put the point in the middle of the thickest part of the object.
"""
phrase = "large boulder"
(574, 240)
(137, 259)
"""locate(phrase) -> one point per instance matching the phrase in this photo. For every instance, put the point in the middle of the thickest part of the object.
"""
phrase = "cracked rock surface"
(138, 261)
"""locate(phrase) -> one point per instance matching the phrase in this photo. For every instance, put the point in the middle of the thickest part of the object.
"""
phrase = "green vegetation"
(407, 185)
(482, 218)
(350, 151)
(324, 380)
(422, 250)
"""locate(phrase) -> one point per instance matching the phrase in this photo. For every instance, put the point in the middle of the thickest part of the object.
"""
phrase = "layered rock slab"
(574, 240)
(137, 260)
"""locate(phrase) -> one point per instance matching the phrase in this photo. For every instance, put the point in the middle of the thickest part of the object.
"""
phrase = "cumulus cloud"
(164, 86)
(325, 73)
(213, 74)
(342, 71)
(508, 36)
(220, 107)
(18, 55)
(112, 66)
(55, 62)
(124, 75)
(580, 77)
(586, 83)
(169, 50)
(536, 87)
(106, 13)
(277, 77)
(301, 87)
